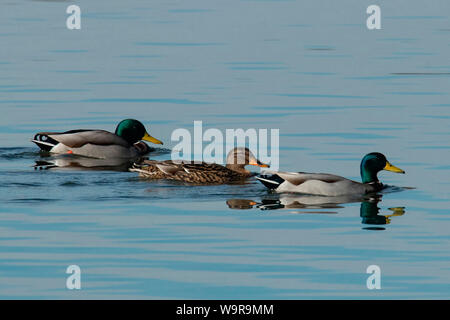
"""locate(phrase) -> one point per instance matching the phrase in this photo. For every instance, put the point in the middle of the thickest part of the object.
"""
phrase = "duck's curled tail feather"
(43, 141)
(271, 181)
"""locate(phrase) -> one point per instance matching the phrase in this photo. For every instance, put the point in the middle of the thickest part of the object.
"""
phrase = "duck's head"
(133, 131)
(373, 163)
(239, 157)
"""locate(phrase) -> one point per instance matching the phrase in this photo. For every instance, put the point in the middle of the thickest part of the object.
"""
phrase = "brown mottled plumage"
(201, 173)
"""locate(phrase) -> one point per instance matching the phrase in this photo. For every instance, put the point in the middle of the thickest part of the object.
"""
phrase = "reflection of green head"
(369, 208)
(373, 163)
(369, 212)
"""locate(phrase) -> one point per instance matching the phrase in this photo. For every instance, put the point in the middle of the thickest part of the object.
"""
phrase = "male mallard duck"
(124, 143)
(331, 185)
(201, 173)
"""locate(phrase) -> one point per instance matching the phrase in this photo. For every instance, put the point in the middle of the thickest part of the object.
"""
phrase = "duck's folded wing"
(79, 138)
(167, 166)
(297, 178)
(170, 167)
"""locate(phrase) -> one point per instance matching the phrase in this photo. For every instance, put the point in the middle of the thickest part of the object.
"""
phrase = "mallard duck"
(201, 173)
(124, 143)
(331, 185)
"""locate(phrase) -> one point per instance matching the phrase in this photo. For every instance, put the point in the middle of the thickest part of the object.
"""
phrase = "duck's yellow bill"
(390, 167)
(149, 138)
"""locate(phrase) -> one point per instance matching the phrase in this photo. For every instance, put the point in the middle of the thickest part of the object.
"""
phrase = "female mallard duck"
(331, 185)
(124, 143)
(201, 173)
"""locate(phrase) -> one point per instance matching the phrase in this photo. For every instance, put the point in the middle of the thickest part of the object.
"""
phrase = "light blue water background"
(311, 69)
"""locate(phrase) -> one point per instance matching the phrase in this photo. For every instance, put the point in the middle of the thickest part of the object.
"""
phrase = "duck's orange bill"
(259, 164)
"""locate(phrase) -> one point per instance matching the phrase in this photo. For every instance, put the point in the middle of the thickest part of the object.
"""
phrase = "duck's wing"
(79, 138)
(157, 169)
(170, 167)
(199, 173)
(207, 173)
(274, 179)
(297, 178)
(211, 168)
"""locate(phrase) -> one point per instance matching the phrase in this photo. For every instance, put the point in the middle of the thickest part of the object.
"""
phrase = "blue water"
(333, 88)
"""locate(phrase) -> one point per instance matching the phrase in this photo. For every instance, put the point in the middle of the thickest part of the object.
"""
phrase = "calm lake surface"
(313, 70)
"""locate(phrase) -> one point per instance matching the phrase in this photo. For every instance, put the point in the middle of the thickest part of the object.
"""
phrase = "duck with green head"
(326, 184)
(124, 143)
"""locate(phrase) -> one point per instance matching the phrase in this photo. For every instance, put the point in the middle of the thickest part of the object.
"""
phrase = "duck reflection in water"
(369, 210)
(369, 213)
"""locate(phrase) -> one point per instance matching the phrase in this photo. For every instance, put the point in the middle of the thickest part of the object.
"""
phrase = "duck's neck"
(368, 176)
(238, 168)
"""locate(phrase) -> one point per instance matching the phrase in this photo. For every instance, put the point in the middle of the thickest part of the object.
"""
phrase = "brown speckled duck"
(201, 173)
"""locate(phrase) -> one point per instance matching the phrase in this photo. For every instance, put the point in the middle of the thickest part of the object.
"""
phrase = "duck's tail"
(271, 181)
(44, 142)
